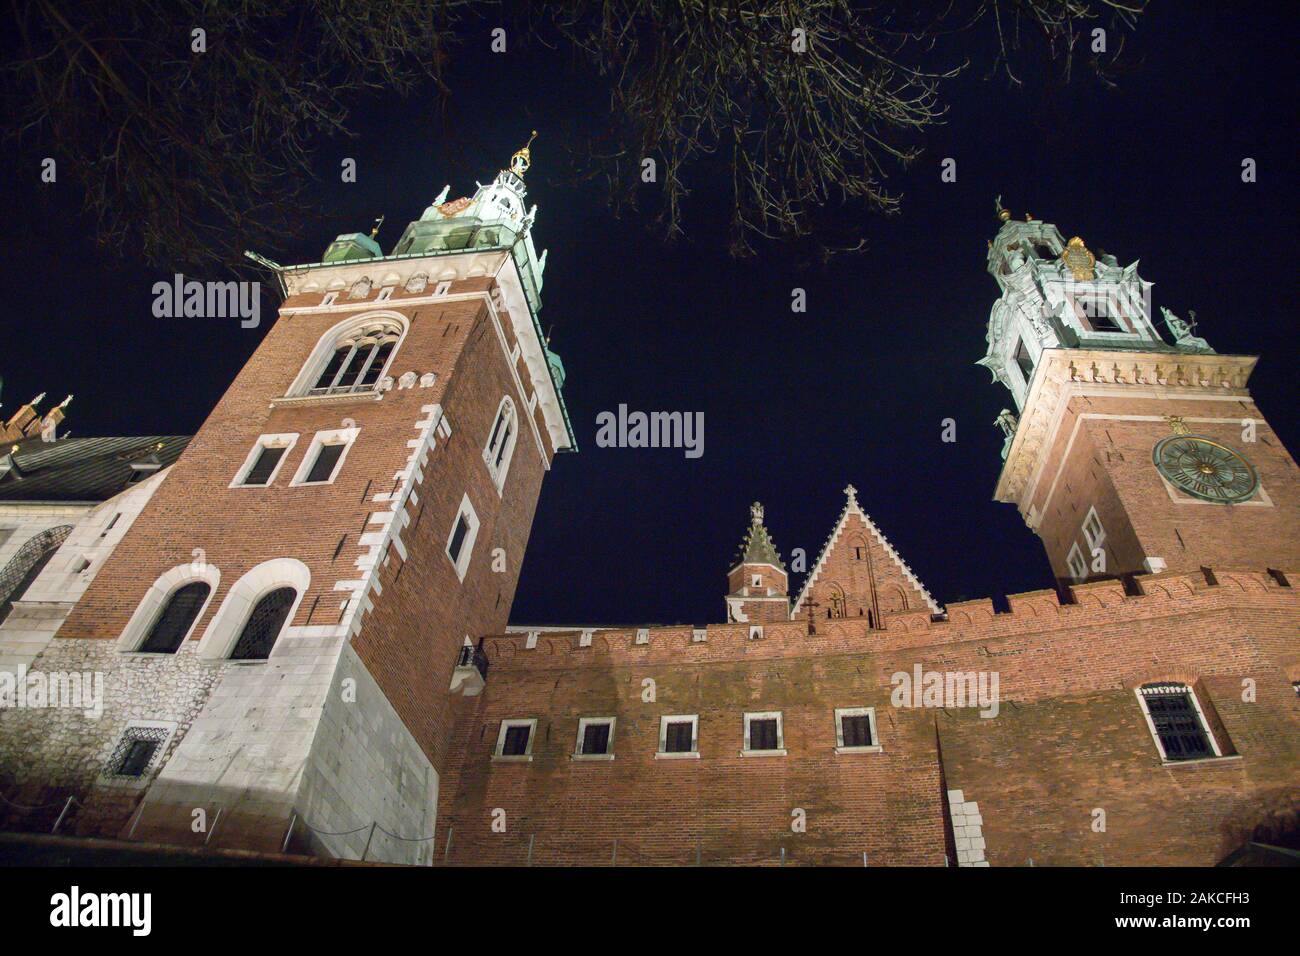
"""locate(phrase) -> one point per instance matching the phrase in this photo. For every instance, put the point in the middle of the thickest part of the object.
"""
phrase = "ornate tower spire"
(1091, 460)
(758, 583)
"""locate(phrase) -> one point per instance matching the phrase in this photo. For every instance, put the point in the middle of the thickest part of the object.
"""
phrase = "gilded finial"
(1004, 214)
(375, 231)
(522, 158)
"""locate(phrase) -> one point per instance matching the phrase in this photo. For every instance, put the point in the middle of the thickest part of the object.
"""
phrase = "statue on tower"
(1184, 340)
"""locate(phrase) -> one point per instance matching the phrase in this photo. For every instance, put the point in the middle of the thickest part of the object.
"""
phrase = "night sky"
(795, 405)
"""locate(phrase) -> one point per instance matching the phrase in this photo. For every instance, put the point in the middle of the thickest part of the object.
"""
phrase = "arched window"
(254, 612)
(351, 357)
(501, 442)
(172, 625)
(27, 564)
(264, 625)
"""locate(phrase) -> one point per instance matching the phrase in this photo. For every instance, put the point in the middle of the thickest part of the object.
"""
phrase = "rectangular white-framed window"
(263, 462)
(595, 739)
(330, 298)
(460, 543)
(756, 581)
(764, 734)
(1077, 563)
(1177, 723)
(500, 447)
(515, 740)
(679, 737)
(1093, 531)
(324, 458)
(855, 730)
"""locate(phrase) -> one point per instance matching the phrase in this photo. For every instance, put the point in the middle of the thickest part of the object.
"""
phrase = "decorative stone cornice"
(1062, 373)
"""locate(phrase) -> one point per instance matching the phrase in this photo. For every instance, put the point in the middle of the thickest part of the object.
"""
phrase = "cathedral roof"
(83, 469)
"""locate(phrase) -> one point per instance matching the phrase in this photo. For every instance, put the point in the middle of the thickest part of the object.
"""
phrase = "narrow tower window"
(1176, 722)
(501, 443)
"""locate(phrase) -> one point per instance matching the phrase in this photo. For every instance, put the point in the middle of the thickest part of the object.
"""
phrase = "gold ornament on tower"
(522, 158)
(1079, 260)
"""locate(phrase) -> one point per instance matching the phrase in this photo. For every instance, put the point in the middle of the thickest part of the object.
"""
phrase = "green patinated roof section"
(758, 547)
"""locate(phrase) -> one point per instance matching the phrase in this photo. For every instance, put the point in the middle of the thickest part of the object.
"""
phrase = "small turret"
(758, 583)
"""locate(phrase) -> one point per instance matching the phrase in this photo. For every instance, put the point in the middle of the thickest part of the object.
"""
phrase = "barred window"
(177, 617)
(135, 751)
(1177, 721)
(264, 625)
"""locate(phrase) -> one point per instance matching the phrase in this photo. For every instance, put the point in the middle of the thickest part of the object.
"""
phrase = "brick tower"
(284, 626)
(758, 586)
(1128, 454)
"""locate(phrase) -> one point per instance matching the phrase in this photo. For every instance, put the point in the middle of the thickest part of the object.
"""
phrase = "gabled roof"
(83, 469)
(852, 508)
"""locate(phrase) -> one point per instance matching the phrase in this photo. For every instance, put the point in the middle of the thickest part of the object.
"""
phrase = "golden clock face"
(1205, 469)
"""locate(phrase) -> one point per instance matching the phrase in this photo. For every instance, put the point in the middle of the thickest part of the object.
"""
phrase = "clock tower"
(1125, 453)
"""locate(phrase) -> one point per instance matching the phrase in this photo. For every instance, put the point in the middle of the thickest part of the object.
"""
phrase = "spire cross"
(852, 494)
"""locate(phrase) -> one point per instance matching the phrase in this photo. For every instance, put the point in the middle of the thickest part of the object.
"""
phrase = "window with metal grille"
(264, 466)
(680, 737)
(322, 469)
(1177, 722)
(856, 730)
(516, 741)
(264, 626)
(762, 734)
(27, 564)
(136, 750)
(595, 739)
(171, 626)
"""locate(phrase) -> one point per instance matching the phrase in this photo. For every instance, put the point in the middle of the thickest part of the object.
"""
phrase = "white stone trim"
(336, 436)
(223, 630)
(747, 751)
(527, 755)
(497, 472)
(583, 724)
(1095, 537)
(285, 440)
(1076, 563)
(870, 713)
(967, 829)
(155, 599)
(664, 721)
(461, 561)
